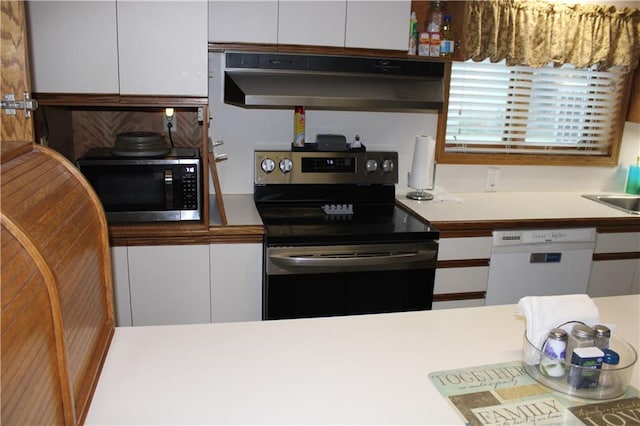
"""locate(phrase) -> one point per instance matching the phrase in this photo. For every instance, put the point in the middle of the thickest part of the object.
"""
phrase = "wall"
(245, 130)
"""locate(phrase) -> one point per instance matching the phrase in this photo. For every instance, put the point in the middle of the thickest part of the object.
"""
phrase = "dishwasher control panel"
(543, 236)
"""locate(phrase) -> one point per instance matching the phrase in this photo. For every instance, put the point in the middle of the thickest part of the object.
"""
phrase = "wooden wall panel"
(32, 390)
(99, 128)
(54, 206)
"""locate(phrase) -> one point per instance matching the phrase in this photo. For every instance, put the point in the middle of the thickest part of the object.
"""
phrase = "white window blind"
(495, 109)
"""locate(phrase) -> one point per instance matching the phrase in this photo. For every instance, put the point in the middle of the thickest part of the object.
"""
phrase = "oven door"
(317, 281)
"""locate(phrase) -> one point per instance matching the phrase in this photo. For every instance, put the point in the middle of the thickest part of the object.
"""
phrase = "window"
(522, 115)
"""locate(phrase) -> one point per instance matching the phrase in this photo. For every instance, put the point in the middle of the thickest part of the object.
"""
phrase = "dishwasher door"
(541, 262)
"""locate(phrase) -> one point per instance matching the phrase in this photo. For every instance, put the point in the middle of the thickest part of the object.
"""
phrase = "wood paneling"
(16, 131)
(33, 359)
(99, 128)
(49, 202)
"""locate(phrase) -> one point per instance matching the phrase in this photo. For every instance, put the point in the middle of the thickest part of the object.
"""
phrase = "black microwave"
(136, 189)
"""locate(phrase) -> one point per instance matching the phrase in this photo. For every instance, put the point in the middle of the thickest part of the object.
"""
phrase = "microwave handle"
(168, 188)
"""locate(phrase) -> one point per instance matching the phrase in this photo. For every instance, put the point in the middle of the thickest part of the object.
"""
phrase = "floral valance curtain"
(537, 32)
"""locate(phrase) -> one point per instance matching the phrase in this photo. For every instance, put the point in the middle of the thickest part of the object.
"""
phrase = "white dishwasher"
(540, 262)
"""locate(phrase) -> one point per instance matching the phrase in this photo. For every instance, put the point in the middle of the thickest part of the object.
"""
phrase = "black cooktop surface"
(350, 224)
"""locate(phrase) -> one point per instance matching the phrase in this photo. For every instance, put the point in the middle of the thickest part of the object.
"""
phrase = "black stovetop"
(369, 223)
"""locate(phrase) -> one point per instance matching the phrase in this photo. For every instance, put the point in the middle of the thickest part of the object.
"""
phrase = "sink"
(626, 203)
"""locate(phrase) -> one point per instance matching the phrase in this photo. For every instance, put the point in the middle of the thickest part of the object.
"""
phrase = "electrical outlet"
(174, 123)
(493, 177)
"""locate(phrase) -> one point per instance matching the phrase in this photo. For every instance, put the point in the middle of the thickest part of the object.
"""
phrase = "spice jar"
(554, 352)
(602, 336)
(582, 336)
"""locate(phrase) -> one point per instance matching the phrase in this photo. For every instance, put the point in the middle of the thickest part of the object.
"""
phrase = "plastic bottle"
(413, 34)
(298, 127)
(633, 179)
(447, 42)
(434, 21)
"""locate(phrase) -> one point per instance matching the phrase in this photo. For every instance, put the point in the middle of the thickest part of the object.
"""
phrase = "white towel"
(542, 313)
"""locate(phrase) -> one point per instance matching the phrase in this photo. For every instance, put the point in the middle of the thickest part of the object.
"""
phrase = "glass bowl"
(611, 381)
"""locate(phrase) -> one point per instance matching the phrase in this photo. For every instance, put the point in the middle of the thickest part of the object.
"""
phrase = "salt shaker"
(602, 336)
(582, 336)
(554, 352)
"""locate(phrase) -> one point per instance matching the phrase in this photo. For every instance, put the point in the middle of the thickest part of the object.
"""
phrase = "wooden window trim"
(611, 160)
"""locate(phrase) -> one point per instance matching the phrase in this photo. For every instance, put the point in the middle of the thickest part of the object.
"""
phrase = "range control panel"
(287, 167)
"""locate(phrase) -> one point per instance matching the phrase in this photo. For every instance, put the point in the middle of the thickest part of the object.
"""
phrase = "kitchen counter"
(490, 210)
(369, 369)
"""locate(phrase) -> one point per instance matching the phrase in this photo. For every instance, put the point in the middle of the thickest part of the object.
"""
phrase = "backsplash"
(245, 130)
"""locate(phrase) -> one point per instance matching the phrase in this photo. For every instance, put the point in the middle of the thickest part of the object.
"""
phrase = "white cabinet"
(156, 285)
(120, 278)
(163, 47)
(74, 46)
(378, 24)
(314, 22)
(243, 21)
(236, 282)
(462, 269)
(371, 24)
(615, 269)
(169, 284)
(126, 47)
(614, 277)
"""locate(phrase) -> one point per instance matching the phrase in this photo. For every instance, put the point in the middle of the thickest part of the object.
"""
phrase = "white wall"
(245, 130)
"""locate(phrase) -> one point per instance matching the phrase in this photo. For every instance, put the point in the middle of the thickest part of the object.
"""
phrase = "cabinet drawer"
(461, 280)
(623, 242)
(464, 248)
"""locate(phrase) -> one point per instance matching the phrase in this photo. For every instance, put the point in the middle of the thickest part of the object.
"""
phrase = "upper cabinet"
(371, 24)
(126, 47)
(378, 24)
(316, 23)
(243, 21)
(163, 47)
(74, 46)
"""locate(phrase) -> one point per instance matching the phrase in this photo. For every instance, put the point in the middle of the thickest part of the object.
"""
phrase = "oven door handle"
(340, 263)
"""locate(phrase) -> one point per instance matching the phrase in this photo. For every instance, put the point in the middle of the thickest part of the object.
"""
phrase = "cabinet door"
(120, 277)
(243, 21)
(169, 284)
(74, 46)
(314, 22)
(236, 282)
(614, 277)
(378, 24)
(163, 47)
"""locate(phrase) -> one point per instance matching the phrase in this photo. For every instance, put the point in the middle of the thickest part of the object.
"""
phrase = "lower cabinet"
(187, 284)
(462, 272)
(236, 282)
(615, 269)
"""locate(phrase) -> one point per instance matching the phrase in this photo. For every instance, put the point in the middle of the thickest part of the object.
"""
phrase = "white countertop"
(472, 206)
(369, 369)
(495, 206)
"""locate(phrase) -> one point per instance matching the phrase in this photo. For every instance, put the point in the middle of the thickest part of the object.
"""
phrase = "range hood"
(274, 80)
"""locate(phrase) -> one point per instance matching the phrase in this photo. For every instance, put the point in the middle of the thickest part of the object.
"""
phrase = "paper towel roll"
(421, 176)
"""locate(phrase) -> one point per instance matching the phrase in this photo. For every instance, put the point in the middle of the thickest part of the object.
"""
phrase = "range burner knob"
(371, 166)
(286, 165)
(268, 165)
(387, 166)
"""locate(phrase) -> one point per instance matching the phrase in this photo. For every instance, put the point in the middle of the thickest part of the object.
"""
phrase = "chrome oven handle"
(340, 263)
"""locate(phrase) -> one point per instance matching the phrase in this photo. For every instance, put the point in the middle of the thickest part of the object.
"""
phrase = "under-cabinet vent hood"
(273, 80)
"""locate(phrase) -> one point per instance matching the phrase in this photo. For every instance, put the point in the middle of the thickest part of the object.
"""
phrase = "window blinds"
(495, 109)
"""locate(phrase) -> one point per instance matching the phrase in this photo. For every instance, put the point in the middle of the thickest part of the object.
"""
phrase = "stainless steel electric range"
(336, 241)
